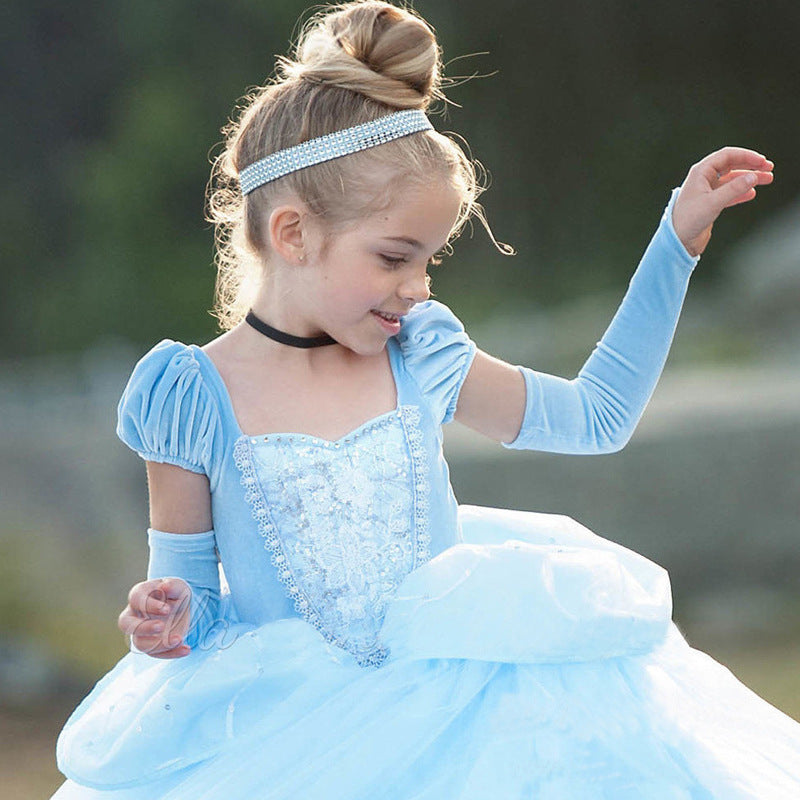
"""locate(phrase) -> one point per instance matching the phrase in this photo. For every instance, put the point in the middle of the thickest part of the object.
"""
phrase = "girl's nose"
(416, 289)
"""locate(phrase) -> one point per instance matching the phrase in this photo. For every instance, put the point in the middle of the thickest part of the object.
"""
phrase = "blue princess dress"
(379, 642)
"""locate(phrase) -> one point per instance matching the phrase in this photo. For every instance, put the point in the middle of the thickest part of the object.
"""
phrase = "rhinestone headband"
(333, 145)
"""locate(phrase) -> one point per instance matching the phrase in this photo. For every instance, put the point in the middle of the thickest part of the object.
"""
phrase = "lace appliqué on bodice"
(344, 521)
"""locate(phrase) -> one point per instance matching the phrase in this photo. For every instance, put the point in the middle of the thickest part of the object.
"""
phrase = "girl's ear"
(287, 232)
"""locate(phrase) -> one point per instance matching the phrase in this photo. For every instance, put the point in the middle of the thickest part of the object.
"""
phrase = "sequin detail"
(344, 521)
(333, 145)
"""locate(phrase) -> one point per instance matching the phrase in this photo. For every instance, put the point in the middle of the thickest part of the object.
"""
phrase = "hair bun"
(374, 48)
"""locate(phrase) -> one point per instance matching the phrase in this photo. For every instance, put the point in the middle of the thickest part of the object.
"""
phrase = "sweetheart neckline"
(265, 435)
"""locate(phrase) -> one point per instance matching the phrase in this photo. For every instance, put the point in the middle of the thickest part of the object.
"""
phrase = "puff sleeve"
(167, 413)
(437, 353)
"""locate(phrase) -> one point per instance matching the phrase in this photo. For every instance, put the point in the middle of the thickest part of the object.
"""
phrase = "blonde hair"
(353, 63)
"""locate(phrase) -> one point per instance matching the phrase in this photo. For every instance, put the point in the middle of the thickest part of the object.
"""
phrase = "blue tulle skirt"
(533, 660)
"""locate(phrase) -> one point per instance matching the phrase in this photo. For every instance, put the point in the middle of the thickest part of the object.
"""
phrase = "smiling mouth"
(387, 316)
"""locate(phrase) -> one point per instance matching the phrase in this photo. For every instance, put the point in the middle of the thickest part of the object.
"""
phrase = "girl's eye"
(394, 261)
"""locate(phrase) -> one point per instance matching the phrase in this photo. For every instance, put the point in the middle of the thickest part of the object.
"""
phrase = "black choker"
(286, 338)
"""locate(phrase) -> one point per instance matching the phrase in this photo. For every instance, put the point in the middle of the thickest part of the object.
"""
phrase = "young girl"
(376, 640)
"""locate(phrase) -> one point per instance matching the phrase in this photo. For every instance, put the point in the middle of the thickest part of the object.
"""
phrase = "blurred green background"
(590, 114)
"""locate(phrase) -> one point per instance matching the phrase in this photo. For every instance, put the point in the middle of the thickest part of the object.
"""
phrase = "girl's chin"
(368, 338)
(364, 345)
(367, 348)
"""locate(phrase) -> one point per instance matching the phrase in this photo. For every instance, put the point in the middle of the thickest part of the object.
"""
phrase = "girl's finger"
(157, 649)
(743, 198)
(155, 597)
(729, 158)
(142, 638)
(147, 627)
(737, 190)
(140, 592)
(715, 177)
(128, 621)
(176, 652)
(175, 589)
(761, 177)
(149, 645)
(156, 606)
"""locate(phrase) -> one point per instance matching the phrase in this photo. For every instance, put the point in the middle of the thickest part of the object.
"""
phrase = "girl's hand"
(725, 178)
(157, 617)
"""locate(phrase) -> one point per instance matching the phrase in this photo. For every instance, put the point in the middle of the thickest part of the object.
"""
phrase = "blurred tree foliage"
(596, 110)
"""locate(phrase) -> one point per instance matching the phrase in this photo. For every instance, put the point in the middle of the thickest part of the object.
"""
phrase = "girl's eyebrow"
(406, 239)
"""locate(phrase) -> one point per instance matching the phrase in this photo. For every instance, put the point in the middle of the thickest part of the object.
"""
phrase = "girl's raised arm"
(598, 410)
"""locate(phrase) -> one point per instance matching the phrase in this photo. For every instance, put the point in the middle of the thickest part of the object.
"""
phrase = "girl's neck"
(282, 337)
(278, 305)
(325, 392)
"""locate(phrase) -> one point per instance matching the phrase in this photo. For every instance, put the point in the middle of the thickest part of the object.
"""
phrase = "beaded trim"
(332, 145)
(409, 417)
(411, 427)
(243, 458)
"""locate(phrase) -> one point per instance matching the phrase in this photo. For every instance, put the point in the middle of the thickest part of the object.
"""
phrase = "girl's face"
(374, 272)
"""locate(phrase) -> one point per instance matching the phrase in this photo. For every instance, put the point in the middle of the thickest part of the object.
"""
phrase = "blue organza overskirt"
(532, 660)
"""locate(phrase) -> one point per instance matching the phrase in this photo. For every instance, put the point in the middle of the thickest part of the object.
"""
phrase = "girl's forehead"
(418, 215)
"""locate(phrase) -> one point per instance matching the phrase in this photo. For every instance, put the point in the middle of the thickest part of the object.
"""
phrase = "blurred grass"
(771, 671)
(49, 598)
(27, 749)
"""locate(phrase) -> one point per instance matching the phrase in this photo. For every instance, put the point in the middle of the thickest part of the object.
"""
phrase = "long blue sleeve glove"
(193, 558)
(598, 411)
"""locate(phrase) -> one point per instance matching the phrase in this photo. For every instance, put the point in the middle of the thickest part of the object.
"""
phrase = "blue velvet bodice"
(304, 526)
